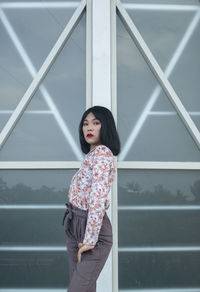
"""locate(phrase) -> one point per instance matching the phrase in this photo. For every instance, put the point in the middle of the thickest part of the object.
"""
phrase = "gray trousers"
(83, 275)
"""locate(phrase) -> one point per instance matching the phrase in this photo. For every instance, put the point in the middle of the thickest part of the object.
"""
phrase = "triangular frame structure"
(162, 80)
(38, 78)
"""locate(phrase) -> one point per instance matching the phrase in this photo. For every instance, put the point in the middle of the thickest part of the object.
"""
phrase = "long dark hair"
(108, 132)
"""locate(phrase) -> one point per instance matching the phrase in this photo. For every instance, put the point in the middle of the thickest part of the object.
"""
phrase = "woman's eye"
(96, 123)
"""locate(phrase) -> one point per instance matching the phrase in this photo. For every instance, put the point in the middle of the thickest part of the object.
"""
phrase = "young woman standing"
(87, 226)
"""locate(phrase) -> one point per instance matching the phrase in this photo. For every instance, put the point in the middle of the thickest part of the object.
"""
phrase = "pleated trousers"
(83, 275)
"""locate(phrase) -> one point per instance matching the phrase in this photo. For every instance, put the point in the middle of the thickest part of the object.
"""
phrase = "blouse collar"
(93, 149)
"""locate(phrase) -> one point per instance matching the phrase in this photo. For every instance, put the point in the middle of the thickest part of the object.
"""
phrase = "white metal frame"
(93, 71)
(174, 99)
(39, 76)
(115, 269)
(94, 53)
(161, 77)
(101, 95)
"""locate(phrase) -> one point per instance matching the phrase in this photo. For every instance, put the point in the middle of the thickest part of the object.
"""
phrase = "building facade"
(141, 60)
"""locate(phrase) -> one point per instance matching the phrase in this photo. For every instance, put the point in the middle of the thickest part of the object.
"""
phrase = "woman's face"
(91, 127)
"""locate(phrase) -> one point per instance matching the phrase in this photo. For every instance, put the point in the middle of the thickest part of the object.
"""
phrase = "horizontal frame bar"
(120, 249)
(46, 4)
(159, 249)
(160, 7)
(31, 290)
(162, 113)
(158, 208)
(119, 208)
(167, 165)
(158, 165)
(37, 4)
(162, 290)
(120, 290)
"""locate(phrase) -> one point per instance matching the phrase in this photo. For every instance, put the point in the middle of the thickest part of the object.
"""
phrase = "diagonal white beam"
(162, 78)
(38, 77)
(153, 98)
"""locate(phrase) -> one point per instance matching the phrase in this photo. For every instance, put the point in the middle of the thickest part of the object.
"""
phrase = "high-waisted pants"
(83, 275)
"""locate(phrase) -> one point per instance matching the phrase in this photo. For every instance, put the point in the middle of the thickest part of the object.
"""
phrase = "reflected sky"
(57, 89)
(149, 126)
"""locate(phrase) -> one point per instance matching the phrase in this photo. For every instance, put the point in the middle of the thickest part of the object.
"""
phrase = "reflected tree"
(133, 194)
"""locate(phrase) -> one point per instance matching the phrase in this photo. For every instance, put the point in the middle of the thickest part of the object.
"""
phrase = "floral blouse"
(90, 187)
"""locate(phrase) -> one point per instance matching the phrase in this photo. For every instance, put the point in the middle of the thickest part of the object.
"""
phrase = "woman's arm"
(100, 188)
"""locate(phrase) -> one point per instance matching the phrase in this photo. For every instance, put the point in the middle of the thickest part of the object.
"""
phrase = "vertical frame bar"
(101, 35)
(88, 54)
(101, 90)
(115, 273)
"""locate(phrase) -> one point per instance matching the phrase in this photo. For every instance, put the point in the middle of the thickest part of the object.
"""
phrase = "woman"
(87, 226)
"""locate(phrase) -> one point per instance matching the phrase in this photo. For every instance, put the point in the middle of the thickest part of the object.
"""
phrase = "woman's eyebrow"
(92, 120)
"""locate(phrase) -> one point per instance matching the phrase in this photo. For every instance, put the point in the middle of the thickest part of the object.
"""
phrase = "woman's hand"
(83, 247)
(80, 244)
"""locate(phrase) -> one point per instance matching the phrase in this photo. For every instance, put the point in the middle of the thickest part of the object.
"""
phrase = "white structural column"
(101, 89)
(101, 44)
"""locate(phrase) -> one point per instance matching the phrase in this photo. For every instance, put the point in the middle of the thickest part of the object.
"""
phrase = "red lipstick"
(89, 135)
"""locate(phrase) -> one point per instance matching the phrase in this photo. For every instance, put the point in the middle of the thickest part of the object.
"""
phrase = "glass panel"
(159, 227)
(172, 34)
(163, 209)
(27, 34)
(34, 186)
(29, 227)
(14, 77)
(48, 135)
(153, 270)
(146, 134)
(159, 187)
(32, 228)
(37, 269)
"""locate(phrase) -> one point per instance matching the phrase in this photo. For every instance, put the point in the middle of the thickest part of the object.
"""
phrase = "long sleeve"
(102, 176)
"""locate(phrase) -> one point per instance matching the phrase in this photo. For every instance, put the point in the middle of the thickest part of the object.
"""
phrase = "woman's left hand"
(82, 248)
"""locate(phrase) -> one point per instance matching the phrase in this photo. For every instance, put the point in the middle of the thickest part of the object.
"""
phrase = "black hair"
(108, 132)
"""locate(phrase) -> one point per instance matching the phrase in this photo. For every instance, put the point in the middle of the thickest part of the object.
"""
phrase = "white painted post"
(101, 91)
(101, 47)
